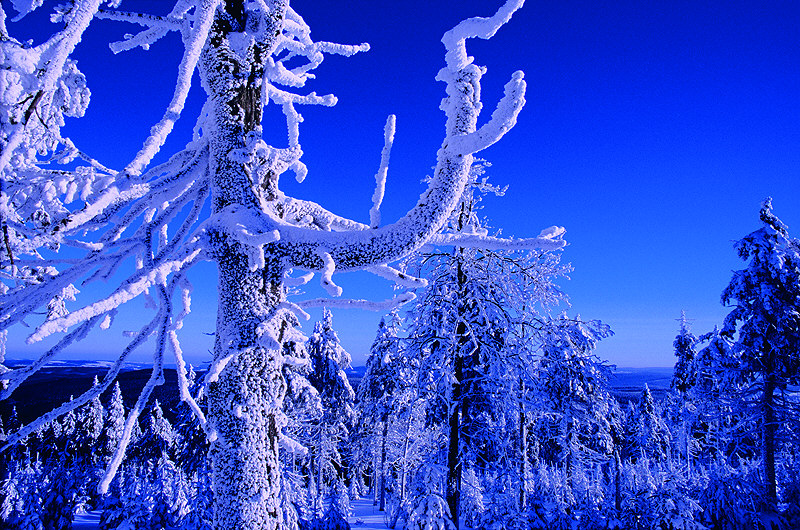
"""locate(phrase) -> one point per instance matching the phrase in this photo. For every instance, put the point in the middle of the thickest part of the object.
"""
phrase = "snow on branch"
(380, 176)
(289, 281)
(359, 249)
(18, 376)
(193, 45)
(157, 26)
(400, 278)
(287, 100)
(90, 394)
(136, 285)
(328, 268)
(475, 27)
(247, 227)
(183, 383)
(503, 120)
(156, 378)
(294, 308)
(369, 305)
(54, 55)
(549, 239)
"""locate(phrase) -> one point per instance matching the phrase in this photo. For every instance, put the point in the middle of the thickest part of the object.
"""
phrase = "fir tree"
(684, 374)
(766, 315)
(652, 435)
(374, 399)
(329, 361)
(114, 424)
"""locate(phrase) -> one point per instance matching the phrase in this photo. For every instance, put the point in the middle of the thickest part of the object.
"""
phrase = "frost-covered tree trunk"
(245, 401)
(382, 470)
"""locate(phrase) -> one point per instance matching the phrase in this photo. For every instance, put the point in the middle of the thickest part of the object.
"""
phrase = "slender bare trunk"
(769, 433)
(454, 467)
(522, 447)
(385, 435)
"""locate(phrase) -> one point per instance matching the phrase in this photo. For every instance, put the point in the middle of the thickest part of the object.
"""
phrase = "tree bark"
(245, 402)
(385, 434)
(769, 432)
(454, 468)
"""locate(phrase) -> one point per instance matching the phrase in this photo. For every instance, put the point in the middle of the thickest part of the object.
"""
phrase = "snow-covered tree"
(466, 332)
(114, 424)
(144, 223)
(374, 399)
(683, 377)
(651, 434)
(766, 321)
(329, 360)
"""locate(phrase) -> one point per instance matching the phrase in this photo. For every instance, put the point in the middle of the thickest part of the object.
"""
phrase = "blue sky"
(652, 131)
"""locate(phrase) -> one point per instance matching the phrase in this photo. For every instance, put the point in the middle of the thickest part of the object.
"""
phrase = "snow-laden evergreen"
(766, 319)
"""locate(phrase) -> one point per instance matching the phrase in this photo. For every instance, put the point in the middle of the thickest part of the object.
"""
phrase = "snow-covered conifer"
(651, 434)
(114, 424)
(683, 377)
(374, 399)
(766, 319)
(329, 360)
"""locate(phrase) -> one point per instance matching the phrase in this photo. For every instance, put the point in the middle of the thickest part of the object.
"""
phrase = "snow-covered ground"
(365, 517)
(86, 521)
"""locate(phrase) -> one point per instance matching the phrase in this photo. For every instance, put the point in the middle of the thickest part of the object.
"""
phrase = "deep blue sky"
(652, 132)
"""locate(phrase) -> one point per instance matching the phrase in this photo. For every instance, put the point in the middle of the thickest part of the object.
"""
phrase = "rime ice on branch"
(145, 222)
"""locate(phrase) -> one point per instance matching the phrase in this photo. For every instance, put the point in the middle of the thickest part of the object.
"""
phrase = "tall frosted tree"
(766, 322)
(461, 331)
(684, 374)
(219, 200)
(329, 360)
(374, 398)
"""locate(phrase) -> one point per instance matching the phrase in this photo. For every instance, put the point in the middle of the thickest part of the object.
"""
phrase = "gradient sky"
(652, 132)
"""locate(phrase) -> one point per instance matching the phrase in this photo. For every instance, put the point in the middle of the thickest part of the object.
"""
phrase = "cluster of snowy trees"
(485, 411)
(479, 409)
(164, 482)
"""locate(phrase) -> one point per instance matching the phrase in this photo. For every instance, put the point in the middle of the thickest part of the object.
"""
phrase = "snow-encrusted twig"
(157, 26)
(183, 383)
(217, 367)
(400, 278)
(380, 176)
(193, 45)
(369, 305)
(294, 308)
(18, 376)
(326, 279)
(156, 378)
(546, 242)
(288, 281)
(133, 287)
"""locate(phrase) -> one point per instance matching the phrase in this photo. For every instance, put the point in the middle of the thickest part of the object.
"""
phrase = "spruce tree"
(766, 322)
(329, 361)
(374, 398)
(684, 374)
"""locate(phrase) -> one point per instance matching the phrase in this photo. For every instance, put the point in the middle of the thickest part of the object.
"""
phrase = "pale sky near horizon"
(652, 132)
